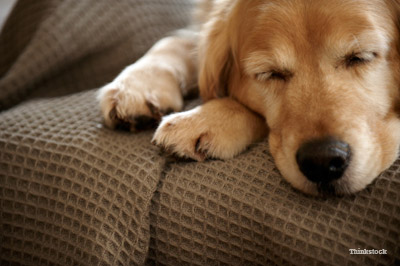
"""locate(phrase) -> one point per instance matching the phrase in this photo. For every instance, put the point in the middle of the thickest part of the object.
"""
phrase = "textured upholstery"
(75, 193)
(54, 47)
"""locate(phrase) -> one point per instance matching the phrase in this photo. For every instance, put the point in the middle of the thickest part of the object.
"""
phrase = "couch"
(73, 192)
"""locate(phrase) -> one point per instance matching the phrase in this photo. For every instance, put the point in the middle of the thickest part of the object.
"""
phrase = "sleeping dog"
(319, 78)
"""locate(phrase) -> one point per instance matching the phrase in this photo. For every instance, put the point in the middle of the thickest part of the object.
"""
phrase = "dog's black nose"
(323, 160)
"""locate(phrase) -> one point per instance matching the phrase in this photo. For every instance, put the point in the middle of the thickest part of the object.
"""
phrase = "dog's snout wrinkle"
(323, 160)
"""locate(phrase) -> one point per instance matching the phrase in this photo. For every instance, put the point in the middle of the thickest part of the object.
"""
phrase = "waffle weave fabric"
(75, 193)
(54, 47)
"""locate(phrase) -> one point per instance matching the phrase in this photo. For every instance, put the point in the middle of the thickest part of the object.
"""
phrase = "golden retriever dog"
(319, 78)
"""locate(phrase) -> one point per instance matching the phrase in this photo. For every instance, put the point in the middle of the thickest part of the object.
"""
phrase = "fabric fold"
(56, 36)
(72, 187)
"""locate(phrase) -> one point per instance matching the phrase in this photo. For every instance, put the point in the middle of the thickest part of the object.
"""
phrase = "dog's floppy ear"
(396, 8)
(215, 59)
(219, 47)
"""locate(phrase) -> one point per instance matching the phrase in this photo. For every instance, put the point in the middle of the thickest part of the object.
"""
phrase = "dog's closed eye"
(278, 75)
(356, 59)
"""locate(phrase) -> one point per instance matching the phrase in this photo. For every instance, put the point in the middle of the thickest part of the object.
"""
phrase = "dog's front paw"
(219, 129)
(139, 97)
(187, 135)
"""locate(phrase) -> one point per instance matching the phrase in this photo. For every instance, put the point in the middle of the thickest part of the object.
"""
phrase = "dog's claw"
(154, 110)
(134, 123)
(201, 152)
(113, 115)
(197, 146)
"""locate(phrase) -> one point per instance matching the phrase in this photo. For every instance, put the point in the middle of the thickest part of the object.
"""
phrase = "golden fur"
(303, 69)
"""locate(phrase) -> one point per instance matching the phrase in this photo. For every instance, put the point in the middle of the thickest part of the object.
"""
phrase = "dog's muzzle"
(323, 160)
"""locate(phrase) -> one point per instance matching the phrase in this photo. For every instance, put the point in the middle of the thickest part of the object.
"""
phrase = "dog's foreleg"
(154, 85)
(220, 128)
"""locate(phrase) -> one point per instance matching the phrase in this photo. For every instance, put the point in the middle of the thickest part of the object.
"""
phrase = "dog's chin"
(334, 189)
(346, 185)
(325, 189)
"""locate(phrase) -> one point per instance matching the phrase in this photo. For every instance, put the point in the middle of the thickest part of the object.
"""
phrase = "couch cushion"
(242, 212)
(74, 192)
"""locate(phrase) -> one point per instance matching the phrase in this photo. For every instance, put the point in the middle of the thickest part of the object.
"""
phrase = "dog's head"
(324, 74)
